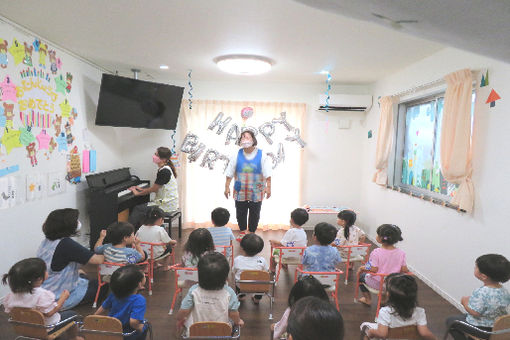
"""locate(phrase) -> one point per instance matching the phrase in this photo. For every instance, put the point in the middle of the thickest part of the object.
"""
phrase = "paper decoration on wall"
(53, 61)
(86, 161)
(42, 120)
(60, 84)
(65, 108)
(57, 124)
(35, 187)
(9, 170)
(493, 96)
(56, 183)
(93, 160)
(73, 166)
(369, 134)
(8, 111)
(175, 159)
(11, 139)
(62, 142)
(53, 145)
(74, 114)
(69, 80)
(43, 52)
(3, 120)
(17, 51)
(36, 44)
(8, 192)
(4, 60)
(43, 139)
(27, 59)
(69, 135)
(26, 137)
(59, 63)
(8, 90)
(32, 153)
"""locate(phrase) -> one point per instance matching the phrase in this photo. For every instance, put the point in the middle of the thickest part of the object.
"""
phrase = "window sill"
(427, 198)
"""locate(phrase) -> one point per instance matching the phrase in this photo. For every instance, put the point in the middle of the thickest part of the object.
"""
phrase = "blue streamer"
(190, 91)
(173, 142)
(328, 88)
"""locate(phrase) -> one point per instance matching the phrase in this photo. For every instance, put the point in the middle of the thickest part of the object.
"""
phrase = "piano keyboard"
(127, 191)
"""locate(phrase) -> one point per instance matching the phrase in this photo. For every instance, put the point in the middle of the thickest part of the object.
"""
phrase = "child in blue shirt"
(322, 257)
(124, 303)
(221, 234)
(121, 235)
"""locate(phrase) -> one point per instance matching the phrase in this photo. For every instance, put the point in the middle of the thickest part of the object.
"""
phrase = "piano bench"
(169, 218)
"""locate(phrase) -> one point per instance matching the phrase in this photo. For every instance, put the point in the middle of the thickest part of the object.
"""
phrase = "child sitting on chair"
(251, 245)
(401, 309)
(121, 235)
(221, 234)
(348, 234)
(25, 279)
(313, 318)
(488, 302)
(322, 257)
(211, 299)
(152, 232)
(199, 243)
(124, 303)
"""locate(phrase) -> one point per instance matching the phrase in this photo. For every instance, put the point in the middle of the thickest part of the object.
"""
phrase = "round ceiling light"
(243, 64)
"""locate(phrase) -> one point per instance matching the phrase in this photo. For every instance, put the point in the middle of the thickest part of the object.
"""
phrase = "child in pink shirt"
(384, 260)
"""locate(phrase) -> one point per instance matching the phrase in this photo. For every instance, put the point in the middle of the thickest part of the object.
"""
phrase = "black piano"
(108, 195)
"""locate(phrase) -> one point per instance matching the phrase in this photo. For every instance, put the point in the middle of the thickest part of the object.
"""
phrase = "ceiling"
(302, 40)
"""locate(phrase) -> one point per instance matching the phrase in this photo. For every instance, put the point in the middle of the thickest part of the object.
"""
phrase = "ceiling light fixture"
(243, 64)
(163, 67)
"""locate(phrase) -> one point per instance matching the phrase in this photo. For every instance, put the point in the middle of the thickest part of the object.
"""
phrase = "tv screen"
(136, 103)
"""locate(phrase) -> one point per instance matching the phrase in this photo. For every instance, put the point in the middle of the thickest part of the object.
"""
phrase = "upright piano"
(108, 195)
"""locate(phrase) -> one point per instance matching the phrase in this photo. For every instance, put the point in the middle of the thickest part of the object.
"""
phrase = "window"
(417, 163)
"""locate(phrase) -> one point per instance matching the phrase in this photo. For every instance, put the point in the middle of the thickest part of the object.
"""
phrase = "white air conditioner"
(346, 102)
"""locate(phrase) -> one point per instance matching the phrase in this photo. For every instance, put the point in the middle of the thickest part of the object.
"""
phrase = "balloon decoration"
(250, 128)
(279, 158)
(246, 113)
(191, 146)
(296, 138)
(267, 130)
(283, 120)
(233, 134)
(211, 156)
(221, 124)
(190, 90)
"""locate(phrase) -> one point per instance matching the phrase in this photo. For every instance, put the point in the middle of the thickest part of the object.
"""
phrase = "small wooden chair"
(257, 282)
(500, 330)
(148, 247)
(353, 253)
(182, 276)
(29, 324)
(329, 279)
(101, 327)
(397, 333)
(213, 330)
(286, 256)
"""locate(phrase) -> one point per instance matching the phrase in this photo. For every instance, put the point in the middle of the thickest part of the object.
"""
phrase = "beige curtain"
(456, 151)
(202, 189)
(384, 140)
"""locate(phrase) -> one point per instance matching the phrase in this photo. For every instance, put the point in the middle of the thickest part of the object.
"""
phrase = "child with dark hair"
(251, 245)
(322, 257)
(124, 303)
(199, 243)
(305, 286)
(25, 279)
(384, 260)
(349, 234)
(488, 302)
(401, 309)
(211, 299)
(313, 318)
(221, 234)
(151, 231)
(121, 235)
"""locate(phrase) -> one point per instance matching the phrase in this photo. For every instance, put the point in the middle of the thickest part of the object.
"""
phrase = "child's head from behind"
(299, 216)
(23, 276)
(346, 218)
(220, 217)
(119, 232)
(252, 244)
(495, 267)
(126, 281)
(313, 318)
(212, 271)
(325, 233)
(154, 216)
(61, 223)
(307, 286)
(389, 234)
(402, 294)
(199, 241)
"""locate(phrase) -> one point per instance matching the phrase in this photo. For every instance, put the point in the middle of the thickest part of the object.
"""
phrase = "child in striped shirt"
(121, 235)
(222, 235)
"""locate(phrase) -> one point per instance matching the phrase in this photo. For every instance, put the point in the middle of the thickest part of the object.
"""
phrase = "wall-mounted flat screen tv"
(137, 103)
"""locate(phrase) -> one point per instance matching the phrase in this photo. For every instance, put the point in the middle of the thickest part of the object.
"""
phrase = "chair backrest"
(210, 329)
(326, 279)
(406, 332)
(255, 275)
(94, 325)
(33, 323)
(292, 253)
(148, 248)
(189, 274)
(501, 323)
(107, 268)
(356, 251)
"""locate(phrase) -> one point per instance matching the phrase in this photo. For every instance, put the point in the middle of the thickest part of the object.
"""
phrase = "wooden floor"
(256, 317)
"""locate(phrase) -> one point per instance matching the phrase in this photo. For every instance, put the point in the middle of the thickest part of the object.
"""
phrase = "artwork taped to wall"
(35, 186)
(56, 183)
(8, 192)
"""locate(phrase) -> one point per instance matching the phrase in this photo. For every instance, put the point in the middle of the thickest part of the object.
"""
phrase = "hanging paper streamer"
(92, 160)
(328, 88)
(190, 91)
(86, 161)
(493, 96)
(173, 142)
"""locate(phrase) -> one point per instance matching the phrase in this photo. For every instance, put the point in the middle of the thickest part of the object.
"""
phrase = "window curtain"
(384, 140)
(456, 152)
(202, 189)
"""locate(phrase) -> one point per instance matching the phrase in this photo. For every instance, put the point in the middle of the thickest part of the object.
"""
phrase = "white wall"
(442, 244)
(20, 226)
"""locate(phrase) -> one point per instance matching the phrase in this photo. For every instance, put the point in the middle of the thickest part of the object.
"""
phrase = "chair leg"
(356, 293)
(177, 291)
(180, 225)
(278, 273)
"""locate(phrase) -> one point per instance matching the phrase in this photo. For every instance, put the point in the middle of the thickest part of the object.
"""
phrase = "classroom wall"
(20, 226)
(442, 244)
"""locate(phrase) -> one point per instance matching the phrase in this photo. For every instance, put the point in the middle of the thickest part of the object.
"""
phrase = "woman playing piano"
(165, 187)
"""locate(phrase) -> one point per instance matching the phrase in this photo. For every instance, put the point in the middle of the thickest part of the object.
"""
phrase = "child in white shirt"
(251, 245)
